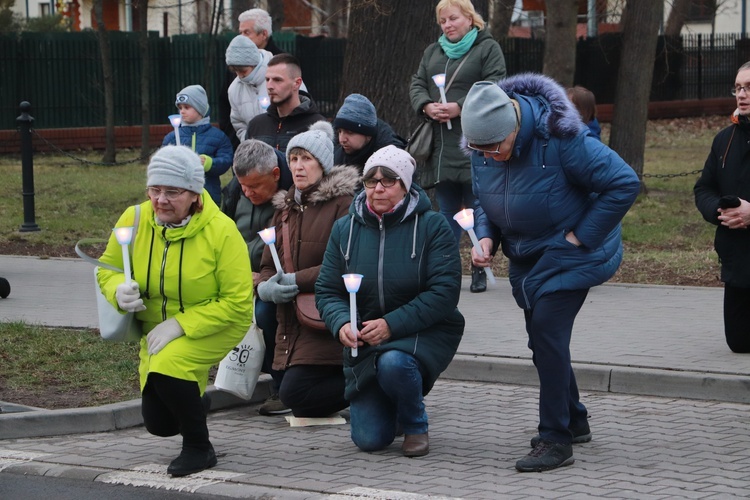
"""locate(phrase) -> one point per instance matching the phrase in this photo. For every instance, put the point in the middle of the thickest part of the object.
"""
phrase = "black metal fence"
(60, 73)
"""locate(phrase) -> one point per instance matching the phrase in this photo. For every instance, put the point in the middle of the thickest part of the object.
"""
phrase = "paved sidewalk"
(630, 343)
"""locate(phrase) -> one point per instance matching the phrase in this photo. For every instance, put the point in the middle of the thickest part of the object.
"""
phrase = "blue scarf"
(461, 47)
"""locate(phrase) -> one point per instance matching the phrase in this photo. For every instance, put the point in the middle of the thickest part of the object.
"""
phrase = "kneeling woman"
(410, 326)
(191, 288)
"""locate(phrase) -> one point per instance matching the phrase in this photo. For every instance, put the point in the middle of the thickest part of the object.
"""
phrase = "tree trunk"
(110, 152)
(276, 11)
(677, 16)
(640, 27)
(145, 80)
(501, 19)
(400, 31)
(560, 41)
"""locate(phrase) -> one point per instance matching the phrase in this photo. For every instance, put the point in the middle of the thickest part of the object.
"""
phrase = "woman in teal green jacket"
(409, 326)
(192, 290)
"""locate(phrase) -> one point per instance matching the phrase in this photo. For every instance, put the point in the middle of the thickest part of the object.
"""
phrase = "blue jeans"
(550, 325)
(453, 197)
(395, 398)
(265, 318)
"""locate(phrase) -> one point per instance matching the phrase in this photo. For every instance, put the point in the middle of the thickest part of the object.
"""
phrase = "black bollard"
(27, 168)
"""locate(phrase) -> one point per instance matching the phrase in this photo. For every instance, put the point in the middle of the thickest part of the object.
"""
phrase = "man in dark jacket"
(360, 132)
(721, 194)
(553, 197)
(260, 172)
(289, 113)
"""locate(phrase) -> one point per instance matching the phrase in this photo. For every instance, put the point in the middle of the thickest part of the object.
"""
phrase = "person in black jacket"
(360, 132)
(721, 195)
(290, 113)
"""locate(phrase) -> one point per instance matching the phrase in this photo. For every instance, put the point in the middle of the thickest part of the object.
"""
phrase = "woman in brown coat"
(313, 383)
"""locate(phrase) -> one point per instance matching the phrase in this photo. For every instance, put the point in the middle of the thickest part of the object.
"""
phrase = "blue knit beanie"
(242, 52)
(357, 114)
(195, 96)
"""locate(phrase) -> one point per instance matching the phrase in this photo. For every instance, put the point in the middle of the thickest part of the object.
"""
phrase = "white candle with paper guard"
(465, 219)
(439, 80)
(264, 102)
(352, 282)
(123, 236)
(268, 235)
(175, 120)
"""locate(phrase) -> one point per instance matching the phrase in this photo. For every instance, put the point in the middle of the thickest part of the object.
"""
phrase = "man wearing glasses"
(552, 198)
(721, 195)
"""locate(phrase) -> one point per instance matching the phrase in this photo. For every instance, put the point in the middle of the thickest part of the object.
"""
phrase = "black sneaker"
(191, 461)
(273, 406)
(546, 456)
(580, 434)
(478, 280)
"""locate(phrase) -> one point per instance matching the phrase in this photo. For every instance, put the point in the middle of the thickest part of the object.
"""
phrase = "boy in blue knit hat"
(209, 142)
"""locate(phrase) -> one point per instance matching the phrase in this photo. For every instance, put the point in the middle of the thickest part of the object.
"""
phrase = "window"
(701, 11)
(44, 9)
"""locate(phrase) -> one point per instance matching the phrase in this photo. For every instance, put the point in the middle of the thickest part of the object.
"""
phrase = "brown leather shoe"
(416, 445)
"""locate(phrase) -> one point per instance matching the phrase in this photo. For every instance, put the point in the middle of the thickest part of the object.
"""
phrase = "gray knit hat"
(242, 52)
(488, 115)
(318, 141)
(394, 158)
(176, 166)
(195, 96)
(357, 114)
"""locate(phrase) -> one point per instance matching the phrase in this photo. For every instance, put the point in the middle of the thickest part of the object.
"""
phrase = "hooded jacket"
(310, 222)
(243, 95)
(485, 61)
(385, 136)
(558, 179)
(412, 279)
(725, 173)
(198, 274)
(205, 139)
(276, 131)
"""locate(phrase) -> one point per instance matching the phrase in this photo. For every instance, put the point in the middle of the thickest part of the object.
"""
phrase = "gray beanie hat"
(394, 158)
(318, 141)
(488, 115)
(357, 114)
(242, 52)
(195, 96)
(176, 166)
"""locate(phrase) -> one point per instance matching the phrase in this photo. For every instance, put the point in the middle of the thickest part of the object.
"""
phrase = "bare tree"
(141, 7)
(560, 41)
(640, 28)
(110, 152)
(376, 63)
(677, 16)
(501, 18)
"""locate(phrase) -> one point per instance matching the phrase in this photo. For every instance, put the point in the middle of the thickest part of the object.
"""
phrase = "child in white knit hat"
(197, 133)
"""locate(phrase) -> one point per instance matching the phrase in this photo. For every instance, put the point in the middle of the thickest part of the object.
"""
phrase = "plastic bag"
(239, 370)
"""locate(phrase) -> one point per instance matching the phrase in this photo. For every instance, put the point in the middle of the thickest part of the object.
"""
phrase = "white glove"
(273, 291)
(162, 334)
(288, 279)
(129, 297)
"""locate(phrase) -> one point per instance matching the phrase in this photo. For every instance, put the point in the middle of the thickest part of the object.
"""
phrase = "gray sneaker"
(273, 406)
(546, 456)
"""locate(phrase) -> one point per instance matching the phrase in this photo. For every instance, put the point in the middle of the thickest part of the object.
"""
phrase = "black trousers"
(172, 406)
(313, 390)
(737, 318)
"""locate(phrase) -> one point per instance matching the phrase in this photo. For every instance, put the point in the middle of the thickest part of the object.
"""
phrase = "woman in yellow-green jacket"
(191, 288)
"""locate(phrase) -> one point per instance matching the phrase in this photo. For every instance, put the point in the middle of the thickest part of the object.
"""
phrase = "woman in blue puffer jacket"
(552, 197)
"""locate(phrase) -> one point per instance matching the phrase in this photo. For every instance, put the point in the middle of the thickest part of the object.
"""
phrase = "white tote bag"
(239, 370)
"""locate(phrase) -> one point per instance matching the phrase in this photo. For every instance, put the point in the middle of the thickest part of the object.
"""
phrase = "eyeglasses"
(169, 194)
(481, 150)
(739, 88)
(385, 181)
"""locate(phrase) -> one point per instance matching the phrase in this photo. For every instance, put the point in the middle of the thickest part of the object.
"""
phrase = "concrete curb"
(608, 378)
(105, 418)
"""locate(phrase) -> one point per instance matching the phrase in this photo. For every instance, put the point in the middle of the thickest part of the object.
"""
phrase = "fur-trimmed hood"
(342, 180)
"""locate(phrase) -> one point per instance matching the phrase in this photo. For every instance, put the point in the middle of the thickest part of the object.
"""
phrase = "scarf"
(461, 47)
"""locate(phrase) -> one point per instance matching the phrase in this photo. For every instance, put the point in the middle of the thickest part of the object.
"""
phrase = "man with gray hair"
(260, 172)
(256, 25)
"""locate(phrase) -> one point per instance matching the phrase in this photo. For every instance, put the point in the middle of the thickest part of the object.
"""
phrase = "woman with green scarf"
(465, 53)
